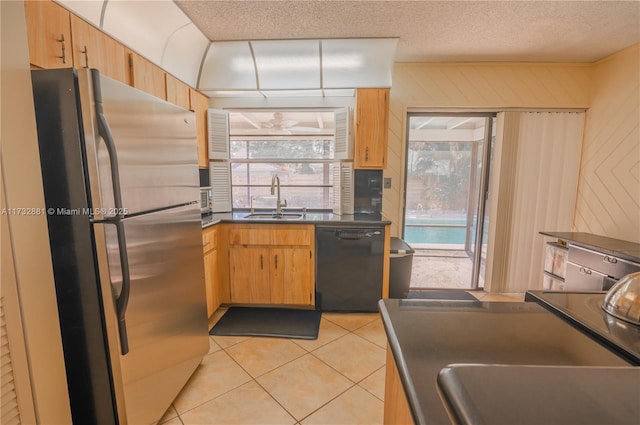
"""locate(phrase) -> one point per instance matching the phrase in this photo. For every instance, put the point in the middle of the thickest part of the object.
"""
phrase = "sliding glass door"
(445, 217)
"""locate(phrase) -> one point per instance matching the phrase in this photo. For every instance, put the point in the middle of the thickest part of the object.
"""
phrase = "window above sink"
(299, 146)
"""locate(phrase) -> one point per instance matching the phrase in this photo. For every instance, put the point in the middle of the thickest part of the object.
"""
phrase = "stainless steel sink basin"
(274, 216)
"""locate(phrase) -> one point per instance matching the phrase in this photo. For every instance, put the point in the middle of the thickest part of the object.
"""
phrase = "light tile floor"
(335, 379)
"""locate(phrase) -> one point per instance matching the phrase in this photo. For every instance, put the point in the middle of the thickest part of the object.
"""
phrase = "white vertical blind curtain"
(543, 187)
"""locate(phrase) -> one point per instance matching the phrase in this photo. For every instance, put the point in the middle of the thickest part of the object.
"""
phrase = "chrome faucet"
(275, 183)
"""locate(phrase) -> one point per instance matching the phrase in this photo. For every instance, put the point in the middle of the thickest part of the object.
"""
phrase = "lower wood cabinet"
(209, 247)
(272, 264)
(250, 280)
(396, 406)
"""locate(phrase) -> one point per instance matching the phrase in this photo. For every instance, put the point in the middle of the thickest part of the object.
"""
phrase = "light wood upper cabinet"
(272, 264)
(115, 59)
(200, 104)
(147, 76)
(94, 49)
(86, 44)
(371, 129)
(178, 92)
(49, 34)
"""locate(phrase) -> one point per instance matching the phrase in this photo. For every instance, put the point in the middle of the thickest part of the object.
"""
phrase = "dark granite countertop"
(616, 247)
(310, 217)
(534, 395)
(584, 310)
(426, 336)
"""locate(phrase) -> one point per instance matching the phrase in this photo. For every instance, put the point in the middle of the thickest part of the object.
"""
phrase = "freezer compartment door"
(165, 314)
(138, 147)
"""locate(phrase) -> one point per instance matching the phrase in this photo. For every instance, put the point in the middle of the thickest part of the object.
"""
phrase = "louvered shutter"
(218, 131)
(343, 201)
(220, 179)
(9, 409)
(343, 136)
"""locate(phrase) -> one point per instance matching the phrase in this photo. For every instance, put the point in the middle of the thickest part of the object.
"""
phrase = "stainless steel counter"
(623, 249)
(426, 336)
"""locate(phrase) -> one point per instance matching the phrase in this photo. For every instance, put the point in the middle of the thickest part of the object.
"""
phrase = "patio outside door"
(446, 180)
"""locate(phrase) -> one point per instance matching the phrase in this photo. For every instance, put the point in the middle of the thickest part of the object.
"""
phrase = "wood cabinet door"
(114, 59)
(209, 280)
(211, 284)
(147, 76)
(49, 34)
(371, 129)
(291, 276)
(249, 275)
(178, 92)
(200, 104)
(86, 44)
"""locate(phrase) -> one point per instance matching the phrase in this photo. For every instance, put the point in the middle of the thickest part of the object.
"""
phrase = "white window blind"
(534, 188)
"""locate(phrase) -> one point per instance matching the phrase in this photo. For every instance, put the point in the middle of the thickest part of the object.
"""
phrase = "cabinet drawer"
(580, 278)
(300, 235)
(551, 282)
(209, 239)
(603, 263)
(555, 259)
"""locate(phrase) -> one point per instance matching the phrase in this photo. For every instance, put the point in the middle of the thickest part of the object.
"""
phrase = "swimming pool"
(435, 235)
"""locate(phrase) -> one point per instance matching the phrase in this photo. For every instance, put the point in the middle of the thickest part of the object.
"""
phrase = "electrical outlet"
(387, 182)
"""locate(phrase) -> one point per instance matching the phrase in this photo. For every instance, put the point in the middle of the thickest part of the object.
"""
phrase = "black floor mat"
(432, 294)
(279, 322)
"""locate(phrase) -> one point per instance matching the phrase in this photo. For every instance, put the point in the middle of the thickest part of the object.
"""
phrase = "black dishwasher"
(349, 263)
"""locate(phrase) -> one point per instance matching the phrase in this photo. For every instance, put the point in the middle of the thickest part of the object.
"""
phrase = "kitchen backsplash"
(204, 177)
(368, 191)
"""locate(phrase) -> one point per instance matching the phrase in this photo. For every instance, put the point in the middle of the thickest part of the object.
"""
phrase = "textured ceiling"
(435, 31)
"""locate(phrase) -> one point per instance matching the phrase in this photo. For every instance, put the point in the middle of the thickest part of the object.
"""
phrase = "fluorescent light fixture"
(288, 64)
(268, 66)
(346, 61)
(358, 62)
(228, 66)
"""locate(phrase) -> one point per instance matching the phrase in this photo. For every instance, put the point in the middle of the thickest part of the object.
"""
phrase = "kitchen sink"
(274, 216)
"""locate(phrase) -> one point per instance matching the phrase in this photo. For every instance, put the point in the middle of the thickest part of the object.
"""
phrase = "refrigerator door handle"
(122, 299)
(105, 133)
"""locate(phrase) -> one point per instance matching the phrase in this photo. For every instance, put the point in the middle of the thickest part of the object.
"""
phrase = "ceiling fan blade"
(306, 129)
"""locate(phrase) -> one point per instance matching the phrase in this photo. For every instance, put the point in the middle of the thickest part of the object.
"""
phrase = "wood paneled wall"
(608, 201)
(469, 86)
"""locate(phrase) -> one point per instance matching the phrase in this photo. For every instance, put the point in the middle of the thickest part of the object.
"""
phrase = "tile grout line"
(307, 351)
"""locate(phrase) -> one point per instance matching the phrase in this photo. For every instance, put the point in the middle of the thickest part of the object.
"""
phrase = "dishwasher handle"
(355, 235)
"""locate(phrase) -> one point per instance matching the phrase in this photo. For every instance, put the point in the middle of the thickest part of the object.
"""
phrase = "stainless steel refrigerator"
(121, 187)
